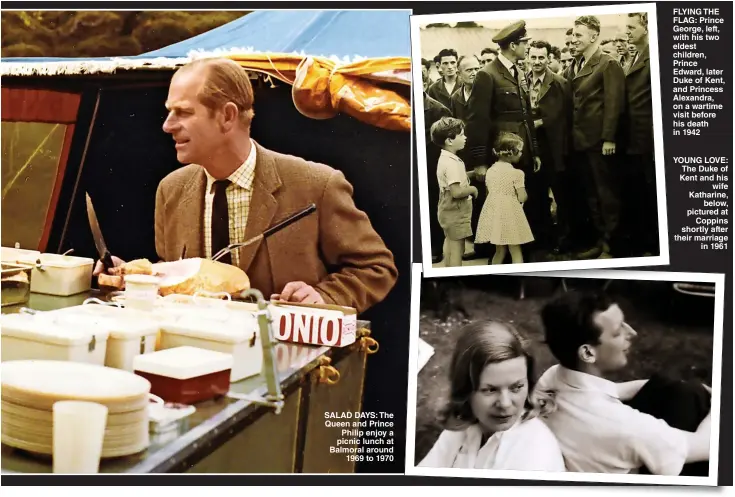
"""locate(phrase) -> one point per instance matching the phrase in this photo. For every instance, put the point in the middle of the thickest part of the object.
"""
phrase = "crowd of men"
(585, 111)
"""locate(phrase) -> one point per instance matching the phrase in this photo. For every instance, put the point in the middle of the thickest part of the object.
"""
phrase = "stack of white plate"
(30, 389)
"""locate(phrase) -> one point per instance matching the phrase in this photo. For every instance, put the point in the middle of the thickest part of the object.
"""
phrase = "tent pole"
(81, 168)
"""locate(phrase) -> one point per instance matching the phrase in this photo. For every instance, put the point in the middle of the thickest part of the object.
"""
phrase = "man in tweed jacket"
(333, 256)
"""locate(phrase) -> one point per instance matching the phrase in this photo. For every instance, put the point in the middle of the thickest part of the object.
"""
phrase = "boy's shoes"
(436, 259)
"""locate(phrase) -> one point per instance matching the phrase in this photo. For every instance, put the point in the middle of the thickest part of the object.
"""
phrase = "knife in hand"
(99, 241)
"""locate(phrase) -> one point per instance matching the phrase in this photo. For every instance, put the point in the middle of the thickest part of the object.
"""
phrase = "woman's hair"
(480, 344)
(507, 144)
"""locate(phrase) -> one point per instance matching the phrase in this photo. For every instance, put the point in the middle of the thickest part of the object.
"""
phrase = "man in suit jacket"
(468, 67)
(443, 89)
(433, 111)
(639, 223)
(333, 256)
(598, 95)
(551, 109)
(500, 102)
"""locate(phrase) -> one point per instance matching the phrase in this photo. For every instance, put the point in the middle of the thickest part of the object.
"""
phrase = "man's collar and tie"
(515, 72)
(510, 66)
(584, 58)
(233, 192)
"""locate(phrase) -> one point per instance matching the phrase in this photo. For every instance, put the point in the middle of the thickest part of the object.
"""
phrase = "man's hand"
(474, 193)
(300, 292)
(99, 268)
(480, 172)
(536, 164)
(608, 148)
(537, 123)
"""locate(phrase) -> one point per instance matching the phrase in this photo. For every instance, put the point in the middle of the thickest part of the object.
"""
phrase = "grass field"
(675, 332)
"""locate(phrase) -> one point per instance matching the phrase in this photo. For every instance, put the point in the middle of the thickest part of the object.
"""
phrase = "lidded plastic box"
(55, 274)
(221, 330)
(130, 334)
(185, 375)
(45, 337)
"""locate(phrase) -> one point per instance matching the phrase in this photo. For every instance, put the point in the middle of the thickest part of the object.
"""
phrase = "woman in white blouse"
(491, 420)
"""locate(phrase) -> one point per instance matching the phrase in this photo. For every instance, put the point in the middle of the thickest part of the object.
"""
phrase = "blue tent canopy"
(365, 33)
(345, 34)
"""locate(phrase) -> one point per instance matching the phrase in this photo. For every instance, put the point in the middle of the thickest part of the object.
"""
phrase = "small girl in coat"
(502, 220)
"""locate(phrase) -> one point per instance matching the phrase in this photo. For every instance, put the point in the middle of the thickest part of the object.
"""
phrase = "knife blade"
(99, 241)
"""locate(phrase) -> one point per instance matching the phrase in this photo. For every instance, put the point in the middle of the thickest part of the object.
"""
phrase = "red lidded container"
(186, 375)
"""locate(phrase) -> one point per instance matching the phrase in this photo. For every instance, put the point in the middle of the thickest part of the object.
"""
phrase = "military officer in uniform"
(500, 101)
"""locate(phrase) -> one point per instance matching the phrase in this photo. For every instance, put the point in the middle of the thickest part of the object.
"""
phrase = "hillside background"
(102, 34)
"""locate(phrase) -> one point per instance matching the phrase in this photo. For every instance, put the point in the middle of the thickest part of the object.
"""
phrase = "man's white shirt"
(598, 433)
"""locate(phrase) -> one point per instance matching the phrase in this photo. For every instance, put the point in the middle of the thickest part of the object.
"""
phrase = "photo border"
(419, 125)
(412, 395)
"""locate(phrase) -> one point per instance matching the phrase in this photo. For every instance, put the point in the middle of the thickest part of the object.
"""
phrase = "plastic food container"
(40, 337)
(141, 291)
(60, 275)
(234, 333)
(185, 375)
(129, 334)
(14, 255)
(15, 283)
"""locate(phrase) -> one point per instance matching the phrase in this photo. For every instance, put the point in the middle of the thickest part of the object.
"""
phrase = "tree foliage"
(467, 24)
(101, 33)
(438, 25)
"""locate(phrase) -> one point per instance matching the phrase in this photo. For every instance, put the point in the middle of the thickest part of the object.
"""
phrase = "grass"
(675, 332)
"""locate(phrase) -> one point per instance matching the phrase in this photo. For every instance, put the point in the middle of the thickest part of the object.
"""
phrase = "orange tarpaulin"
(322, 88)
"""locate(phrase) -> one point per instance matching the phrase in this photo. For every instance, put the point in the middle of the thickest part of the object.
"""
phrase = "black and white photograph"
(597, 376)
(542, 142)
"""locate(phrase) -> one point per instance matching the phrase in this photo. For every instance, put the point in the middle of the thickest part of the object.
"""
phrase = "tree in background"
(101, 33)
(467, 24)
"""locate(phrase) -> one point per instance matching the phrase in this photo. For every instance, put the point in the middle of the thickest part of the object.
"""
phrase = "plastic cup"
(78, 435)
(141, 291)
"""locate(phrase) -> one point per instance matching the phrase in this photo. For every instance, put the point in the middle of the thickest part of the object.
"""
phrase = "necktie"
(220, 220)
(632, 62)
(580, 63)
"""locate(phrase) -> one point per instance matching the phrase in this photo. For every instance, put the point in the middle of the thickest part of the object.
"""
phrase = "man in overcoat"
(639, 224)
(551, 109)
(598, 95)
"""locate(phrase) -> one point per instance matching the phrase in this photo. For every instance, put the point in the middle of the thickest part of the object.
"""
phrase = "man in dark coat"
(467, 69)
(442, 89)
(598, 96)
(433, 111)
(500, 102)
(551, 109)
(639, 218)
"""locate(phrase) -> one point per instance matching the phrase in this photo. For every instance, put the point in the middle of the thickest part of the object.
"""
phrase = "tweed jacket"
(335, 250)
